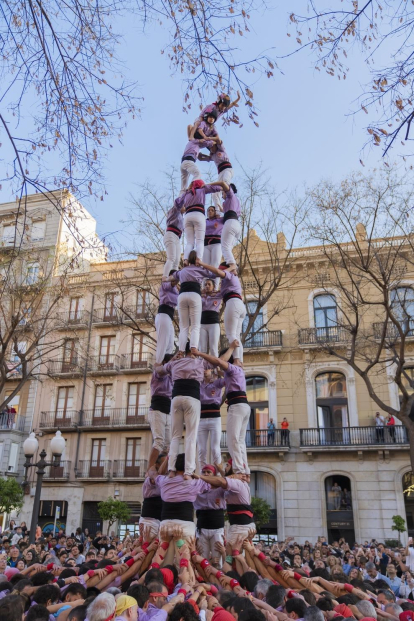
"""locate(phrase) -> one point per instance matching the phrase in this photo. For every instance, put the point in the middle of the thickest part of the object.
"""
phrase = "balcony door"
(402, 301)
(132, 456)
(256, 340)
(97, 464)
(137, 349)
(103, 404)
(75, 310)
(107, 352)
(258, 398)
(332, 408)
(340, 515)
(110, 307)
(70, 357)
(136, 400)
(57, 472)
(325, 316)
(64, 406)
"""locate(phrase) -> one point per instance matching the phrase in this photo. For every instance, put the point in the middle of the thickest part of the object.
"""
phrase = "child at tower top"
(220, 107)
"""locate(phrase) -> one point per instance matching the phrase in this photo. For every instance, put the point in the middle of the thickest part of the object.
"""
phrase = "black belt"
(173, 229)
(186, 388)
(166, 309)
(152, 508)
(212, 239)
(230, 215)
(210, 518)
(190, 158)
(198, 208)
(209, 316)
(223, 166)
(178, 511)
(210, 410)
(161, 404)
(190, 287)
(230, 295)
(240, 514)
(236, 396)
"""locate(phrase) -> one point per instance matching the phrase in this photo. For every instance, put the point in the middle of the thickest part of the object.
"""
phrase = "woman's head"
(209, 285)
(233, 187)
(192, 257)
(211, 212)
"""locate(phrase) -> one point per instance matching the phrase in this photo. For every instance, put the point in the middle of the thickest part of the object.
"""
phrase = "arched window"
(332, 407)
(258, 398)
(324, 310)
(402, 303)
(340, 517)
(263, 485)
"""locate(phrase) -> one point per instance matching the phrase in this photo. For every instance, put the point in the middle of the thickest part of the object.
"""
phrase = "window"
(340, 517)
(9, 234)
(103, 401)
(141, 306)
(263, 485)
(69, 350)
(255, 339)
(14, 449)
(110, 306)
(132, 455)
(64, 404)
(136, 399)
(13, 405)
(324, 309)
(332, 407)
(137, 346)
(107, 350)
(402, 303)
(15, 358)
(258, 398)
(32, 273)
(38, 230)
(97, 464)
(25, 312)
(75, 308)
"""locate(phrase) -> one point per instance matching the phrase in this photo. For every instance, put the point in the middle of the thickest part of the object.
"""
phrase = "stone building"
(333, 473)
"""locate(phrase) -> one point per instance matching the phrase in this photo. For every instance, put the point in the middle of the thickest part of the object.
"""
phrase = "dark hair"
(11, 608)
(407, 606)
(233, 574)
(92, 591)
(104, 563)
(308, 596)
(348, 599)
(180, 462)
(275, 595)
(322, 573)
(222, 352)
(187, 348)
(249, 580)
(174, 571)
(37, 613)
(140, 593)
(41, 578)
(226, 598)
(183, 611)
(251, 615)
(389, 595)
(153, 575)
(233, 187)
(156, 587)
(75, 589)
(77, 614)
(16, 578)
(325, 604)
(209, 280)
(192, 257)
(22, 584)
(5, 586)
(167, 358)
(68, 573)
(45, 593)
(242, 603)
(295, 605)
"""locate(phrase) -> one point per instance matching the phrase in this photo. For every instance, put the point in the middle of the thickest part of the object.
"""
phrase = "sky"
(305, 134)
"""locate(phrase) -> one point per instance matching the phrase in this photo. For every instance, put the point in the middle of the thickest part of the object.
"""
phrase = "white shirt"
(410, 558)
(379, 421)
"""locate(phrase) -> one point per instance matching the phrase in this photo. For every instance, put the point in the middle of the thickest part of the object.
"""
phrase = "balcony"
(60, 472)
(115, 417)
(320, 337)
(11, 422)
(354, 437)
(62, 368)
(135, 315)
(271, 339)
(103, 364)
(72, 319)
(105, 316)
(262, 439)
(129, 469)
(391, 333)
(93, 469)
(59, 419)
(137, 363)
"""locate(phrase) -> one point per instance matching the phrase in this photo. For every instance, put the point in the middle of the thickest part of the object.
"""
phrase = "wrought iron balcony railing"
(72, 319)
(62, 419)
(391, 331)
(354, 436)
(62, 471)
(262, 438)
(321, 336)
(103, 364)
(129, 468)
(63, 367)
(93, 469)
(11, 422)
(137, 362)
(115, 417)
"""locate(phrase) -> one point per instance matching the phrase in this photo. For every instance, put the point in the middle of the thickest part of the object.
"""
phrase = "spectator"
(102, 608)
(379, 424)
(76, 553)
(18, 534)
(271, 433)
(391, 427)
(285, 432)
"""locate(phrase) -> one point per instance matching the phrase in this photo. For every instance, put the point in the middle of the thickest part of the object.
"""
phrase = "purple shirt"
(211, 392)
(234, 379)
(230, 284)
(161, 385)
(152, 613)
(219, 156)
(211, 302)
(168, 294)
(237, 492)
(214, 226)
(186, 368)
(193, 147)
(150, 490)
(198, 197)
(193, 273)
(213, 499)
(177, 489)
(210, 108)
(175, 218)
(231, 203)
(208, 130)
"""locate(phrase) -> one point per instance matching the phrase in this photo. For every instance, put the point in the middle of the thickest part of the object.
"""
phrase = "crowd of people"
(165, 576)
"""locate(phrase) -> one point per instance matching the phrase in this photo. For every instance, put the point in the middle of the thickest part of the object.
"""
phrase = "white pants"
(188, 169)
(194, 231)
(160, 424)
(209, 338)
(165, 336)
(238, 416)
(152, 523)
(173, 249)
(188, 531)
(238, 530)
(234, 314)
(208, 426)
(229, 236)
(189, 312)
(212, 256)
(207, 538)
(226, 175)
(184, 410)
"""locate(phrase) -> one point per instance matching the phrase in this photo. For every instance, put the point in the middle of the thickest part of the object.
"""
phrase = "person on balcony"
(391, 427)
(379, 424)
(271, 433)
(285, 431)
(337, 496)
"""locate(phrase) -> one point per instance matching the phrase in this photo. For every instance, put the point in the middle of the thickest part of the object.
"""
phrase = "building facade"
(332, 473)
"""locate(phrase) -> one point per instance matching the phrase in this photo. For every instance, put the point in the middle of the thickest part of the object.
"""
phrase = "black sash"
(186, 388)
(209, 240)
(167, 310)
(240, 518)
(173, 229)
(189, 158)
(223, 166)
(230, 215)
(210, 410)
(190, 287)
(152, 507)
(210, 518)
(198, 208)
(230, 295)
(161, 404)
(236, 396)
(210, 316)
(177, 511)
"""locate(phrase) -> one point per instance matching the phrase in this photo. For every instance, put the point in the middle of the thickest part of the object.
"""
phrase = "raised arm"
(214, 481)
(211, 268)
(222, 184)
(235, 103)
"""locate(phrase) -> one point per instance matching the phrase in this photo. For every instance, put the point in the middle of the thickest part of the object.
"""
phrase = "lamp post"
(30, 447)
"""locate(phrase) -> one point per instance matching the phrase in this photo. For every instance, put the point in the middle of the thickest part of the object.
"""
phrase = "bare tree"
(364, 228)
(375, 29)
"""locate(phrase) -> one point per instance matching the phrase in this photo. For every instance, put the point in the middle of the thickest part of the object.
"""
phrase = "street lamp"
(30, 447)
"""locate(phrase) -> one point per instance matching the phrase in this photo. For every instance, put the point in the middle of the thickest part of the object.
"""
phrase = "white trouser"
(165, 336)
(226, 175)
(188, 169)
(184, 410)
(194, 231)
(210, 426)
(189, 312)
(239, 530)
(234, 314)
(152, 524)
(229, 236)
(238, 416)
(160, 424)
(209, 338)
(173, 249)
(188, 531)
(207, 538)
(212, 256)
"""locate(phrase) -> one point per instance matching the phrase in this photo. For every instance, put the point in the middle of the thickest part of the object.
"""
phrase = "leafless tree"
(375, 30)
(364, 228)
